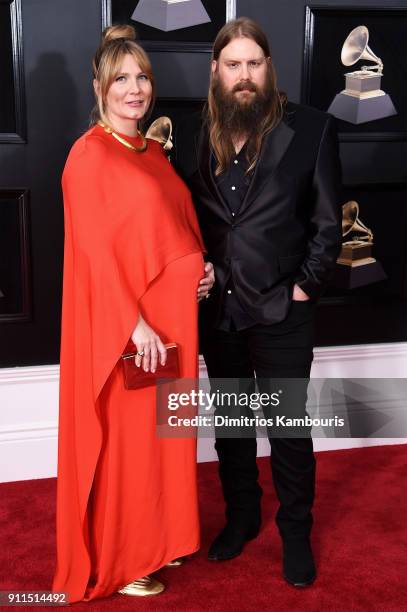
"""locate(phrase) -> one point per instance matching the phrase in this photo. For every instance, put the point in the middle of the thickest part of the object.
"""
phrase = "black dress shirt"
(232, 186)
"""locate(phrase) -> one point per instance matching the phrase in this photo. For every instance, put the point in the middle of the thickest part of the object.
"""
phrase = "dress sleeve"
(104, 273)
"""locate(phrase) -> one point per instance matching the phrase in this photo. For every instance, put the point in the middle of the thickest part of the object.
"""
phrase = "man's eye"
(232, 65)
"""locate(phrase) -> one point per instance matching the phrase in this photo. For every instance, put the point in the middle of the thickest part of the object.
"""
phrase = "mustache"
(245, 86)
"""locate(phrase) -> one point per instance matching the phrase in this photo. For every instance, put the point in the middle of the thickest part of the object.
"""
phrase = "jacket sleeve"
(325, 224)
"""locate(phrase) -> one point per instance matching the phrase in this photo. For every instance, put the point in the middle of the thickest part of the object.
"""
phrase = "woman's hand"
(150, 345)
(207, 282)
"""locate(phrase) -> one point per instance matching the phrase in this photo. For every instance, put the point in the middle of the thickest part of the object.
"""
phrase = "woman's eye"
(144, 77)
(120, 78)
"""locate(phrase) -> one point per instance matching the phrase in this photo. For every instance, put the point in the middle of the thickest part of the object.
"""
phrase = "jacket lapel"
(273, 149)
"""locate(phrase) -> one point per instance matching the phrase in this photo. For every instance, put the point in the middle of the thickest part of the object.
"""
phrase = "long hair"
(221, 142)
(117, 41)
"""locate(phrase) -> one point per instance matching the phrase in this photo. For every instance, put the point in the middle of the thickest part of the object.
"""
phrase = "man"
(265, 178)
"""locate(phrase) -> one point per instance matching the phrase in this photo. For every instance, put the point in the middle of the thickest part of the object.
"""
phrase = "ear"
(96, 87)
(214, 66)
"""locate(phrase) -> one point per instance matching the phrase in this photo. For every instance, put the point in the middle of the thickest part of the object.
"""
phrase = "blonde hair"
(117, 41)
(221, 145)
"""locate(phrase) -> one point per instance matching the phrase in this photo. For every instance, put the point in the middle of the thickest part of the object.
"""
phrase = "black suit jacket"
(288, 229)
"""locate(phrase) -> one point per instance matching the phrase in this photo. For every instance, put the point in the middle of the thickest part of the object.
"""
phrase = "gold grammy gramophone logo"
(357, 250)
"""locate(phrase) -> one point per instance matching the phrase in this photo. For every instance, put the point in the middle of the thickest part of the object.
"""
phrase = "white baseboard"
(29, 408)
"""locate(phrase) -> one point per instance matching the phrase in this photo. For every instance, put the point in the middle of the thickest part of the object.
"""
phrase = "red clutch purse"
(135, 378)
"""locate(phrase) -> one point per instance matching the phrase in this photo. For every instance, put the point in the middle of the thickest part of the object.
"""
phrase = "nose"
(134, 85)
(244, 73)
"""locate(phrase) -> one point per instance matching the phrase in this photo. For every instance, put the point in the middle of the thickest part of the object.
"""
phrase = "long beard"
(242, 116)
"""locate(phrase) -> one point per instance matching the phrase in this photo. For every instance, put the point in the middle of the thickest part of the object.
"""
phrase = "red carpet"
(360, 543)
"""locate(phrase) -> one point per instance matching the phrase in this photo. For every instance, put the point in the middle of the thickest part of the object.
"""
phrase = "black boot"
(230, 541)
(298, 562)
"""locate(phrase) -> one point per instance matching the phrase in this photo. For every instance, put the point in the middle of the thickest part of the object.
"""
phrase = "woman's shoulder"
(89, 148)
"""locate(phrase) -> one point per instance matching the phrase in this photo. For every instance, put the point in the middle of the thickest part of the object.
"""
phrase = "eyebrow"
(238, 61)
(128, 73)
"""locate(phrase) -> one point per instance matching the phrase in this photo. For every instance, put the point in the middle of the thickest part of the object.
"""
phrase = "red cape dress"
(126, 499)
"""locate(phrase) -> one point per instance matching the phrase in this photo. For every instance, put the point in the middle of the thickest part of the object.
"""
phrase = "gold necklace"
(122, 140)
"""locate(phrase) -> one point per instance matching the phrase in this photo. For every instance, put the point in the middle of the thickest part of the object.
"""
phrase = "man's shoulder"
(298, 115)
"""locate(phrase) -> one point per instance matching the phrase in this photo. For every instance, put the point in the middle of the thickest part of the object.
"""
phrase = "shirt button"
(233, 214)
(236, 162)
(229, 291)
(233, 188)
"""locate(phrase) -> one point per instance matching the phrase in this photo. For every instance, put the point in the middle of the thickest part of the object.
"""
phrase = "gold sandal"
(147, 585)
(176, 562)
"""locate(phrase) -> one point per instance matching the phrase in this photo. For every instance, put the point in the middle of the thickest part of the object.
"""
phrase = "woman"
(126, 502)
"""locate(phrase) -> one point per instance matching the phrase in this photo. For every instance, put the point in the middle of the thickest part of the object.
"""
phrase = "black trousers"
(282, 350)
